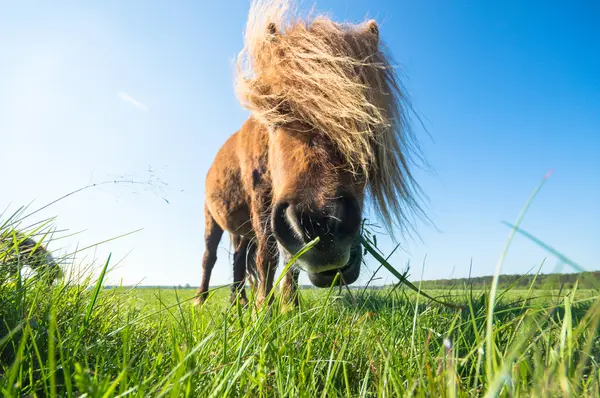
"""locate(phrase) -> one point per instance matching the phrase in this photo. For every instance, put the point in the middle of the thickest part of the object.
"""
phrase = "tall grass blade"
(401, 277)
(96, 293)
(546, 247)
(490, 359)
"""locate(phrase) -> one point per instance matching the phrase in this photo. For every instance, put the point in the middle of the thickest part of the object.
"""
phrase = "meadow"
(78, 337)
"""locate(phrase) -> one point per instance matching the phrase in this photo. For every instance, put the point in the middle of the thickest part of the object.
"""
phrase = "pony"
(328, 131)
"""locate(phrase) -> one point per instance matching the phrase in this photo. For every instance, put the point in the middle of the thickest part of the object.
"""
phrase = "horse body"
(239, 171)
(238, 186)
(328, 124)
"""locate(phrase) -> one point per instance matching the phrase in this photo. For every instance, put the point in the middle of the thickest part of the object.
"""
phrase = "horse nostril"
(300, 223)
(343, 217)
(281, 227)
(280, 209)
(348, 223)
(338, 219)
(287, 227)
(297, 224)
(291, 225)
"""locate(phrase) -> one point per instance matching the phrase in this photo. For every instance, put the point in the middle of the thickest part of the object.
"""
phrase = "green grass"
(152, 342)
(76, 338)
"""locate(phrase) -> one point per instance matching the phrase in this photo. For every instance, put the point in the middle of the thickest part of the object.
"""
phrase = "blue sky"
(95, 91)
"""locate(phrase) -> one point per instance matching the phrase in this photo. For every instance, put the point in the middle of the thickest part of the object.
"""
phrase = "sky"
(142, 91)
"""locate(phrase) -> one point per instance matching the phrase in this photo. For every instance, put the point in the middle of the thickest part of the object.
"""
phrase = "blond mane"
(336, 78)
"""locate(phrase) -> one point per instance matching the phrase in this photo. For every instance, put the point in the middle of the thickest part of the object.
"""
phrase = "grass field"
(70, 340)
(78, 338)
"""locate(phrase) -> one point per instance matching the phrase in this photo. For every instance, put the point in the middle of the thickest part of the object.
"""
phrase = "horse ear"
(272, 31)
(372, 27)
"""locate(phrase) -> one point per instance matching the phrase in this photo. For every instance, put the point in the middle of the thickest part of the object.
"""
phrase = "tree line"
(586, 280)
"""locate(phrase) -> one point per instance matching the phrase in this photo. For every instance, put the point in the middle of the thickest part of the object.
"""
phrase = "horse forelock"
(338, 79)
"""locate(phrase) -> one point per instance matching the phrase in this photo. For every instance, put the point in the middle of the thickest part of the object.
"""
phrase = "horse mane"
(338, 79)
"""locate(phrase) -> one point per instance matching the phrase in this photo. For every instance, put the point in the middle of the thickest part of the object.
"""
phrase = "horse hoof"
(287, 308)
(242, 301)
(198, 301)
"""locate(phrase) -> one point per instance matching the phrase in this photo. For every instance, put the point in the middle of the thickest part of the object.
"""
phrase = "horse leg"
(266, 265)
(251, 272)
(290, 284)
(267, 254)
(212, 236)
(240, 245)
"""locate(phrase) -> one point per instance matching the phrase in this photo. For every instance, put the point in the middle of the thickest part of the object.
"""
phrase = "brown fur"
(328, 120)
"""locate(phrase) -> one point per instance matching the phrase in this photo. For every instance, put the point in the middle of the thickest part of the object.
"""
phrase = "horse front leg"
(240, 255)
(267, 254)
(289, 288)
(266, 265)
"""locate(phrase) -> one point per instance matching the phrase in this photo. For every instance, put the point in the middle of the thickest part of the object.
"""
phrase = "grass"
(152, 342)
(78, 338)
(75, 338)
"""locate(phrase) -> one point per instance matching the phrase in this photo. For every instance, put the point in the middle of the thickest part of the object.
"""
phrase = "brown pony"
(328, 127)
